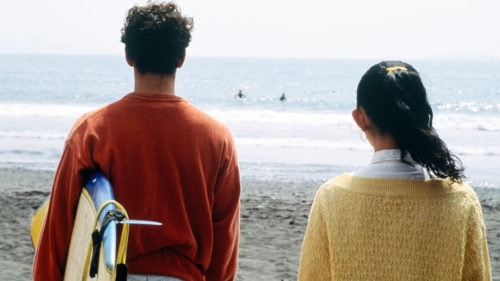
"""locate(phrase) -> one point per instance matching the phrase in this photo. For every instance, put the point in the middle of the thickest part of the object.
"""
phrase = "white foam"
(43, 134)
(281, 117)
(43, 110)
(461, 121)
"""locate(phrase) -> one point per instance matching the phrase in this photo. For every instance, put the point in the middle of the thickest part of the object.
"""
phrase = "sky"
(352, 29)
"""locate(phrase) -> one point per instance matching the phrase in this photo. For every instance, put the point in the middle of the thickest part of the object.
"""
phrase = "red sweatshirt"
(167, 161)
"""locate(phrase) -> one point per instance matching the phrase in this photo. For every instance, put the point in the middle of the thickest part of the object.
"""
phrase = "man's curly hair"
(156, 37)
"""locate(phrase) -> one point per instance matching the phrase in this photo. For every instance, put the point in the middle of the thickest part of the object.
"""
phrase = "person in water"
(167, 161)
(240, 95)
(408, 215)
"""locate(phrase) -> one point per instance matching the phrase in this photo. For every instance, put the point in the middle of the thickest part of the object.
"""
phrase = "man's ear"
(359, 116)
(129, 60)
(181, 60)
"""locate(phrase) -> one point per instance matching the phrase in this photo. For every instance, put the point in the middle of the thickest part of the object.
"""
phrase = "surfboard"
(37, 222)
(93, 253)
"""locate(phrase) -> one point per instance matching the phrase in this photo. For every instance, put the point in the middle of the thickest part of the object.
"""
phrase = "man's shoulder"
(212, 120)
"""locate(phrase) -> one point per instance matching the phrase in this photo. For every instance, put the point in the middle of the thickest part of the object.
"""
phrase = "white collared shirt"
(387, 164)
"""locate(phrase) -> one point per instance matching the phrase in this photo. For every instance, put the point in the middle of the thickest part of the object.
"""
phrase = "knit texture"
(392, 229)
(167, 161)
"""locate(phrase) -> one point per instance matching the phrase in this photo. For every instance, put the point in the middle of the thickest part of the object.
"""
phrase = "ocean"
(309, 136)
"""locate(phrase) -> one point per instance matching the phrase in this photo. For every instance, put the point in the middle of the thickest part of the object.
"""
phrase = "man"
(167, 161)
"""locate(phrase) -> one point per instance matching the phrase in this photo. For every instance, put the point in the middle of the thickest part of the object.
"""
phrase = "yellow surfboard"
(93, 253)
(37, 222)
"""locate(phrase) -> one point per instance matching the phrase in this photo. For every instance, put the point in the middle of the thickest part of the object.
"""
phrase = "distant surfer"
(283, 97)
(167, 160)
(240, 95)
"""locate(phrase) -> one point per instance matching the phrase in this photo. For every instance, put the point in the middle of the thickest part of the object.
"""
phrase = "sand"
(273, 221)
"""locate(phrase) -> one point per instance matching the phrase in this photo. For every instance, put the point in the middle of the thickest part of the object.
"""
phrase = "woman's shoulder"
(399, 187)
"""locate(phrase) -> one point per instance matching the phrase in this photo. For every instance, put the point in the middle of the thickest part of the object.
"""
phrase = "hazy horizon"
(351, 29)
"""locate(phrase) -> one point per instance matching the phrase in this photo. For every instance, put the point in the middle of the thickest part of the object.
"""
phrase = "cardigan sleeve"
(315, 257)
(476, 260)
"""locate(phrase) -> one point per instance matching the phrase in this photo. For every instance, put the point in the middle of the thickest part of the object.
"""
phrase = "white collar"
(387, 164)
(390, 155)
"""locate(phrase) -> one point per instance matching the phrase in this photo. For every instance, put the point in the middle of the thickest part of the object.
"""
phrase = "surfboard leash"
(92, 265)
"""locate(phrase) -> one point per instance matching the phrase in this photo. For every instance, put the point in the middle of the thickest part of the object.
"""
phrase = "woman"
(406, 216)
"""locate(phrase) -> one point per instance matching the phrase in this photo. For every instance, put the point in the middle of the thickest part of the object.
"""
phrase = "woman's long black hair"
(395, 100)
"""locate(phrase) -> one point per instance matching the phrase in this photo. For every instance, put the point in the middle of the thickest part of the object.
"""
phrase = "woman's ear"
(359, 116)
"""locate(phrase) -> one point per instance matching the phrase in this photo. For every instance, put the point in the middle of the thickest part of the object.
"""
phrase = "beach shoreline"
(272, 224)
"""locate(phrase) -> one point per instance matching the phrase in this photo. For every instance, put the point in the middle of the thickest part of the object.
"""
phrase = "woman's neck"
(382, 141)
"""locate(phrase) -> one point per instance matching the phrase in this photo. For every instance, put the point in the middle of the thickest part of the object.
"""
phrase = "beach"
(272, 224)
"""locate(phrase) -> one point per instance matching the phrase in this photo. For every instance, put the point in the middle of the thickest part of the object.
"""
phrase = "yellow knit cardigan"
(394, 229)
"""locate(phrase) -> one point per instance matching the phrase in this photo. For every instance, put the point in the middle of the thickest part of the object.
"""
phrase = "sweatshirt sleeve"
(477, 262)
(226, 218)
(50, 256)
(314, 258)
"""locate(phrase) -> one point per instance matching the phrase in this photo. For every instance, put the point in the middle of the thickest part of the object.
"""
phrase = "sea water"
(309, 136)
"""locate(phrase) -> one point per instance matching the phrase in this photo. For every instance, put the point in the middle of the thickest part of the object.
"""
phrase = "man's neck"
(152, 83)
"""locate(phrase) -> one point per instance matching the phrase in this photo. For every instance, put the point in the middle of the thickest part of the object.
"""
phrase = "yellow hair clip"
(392, 68)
